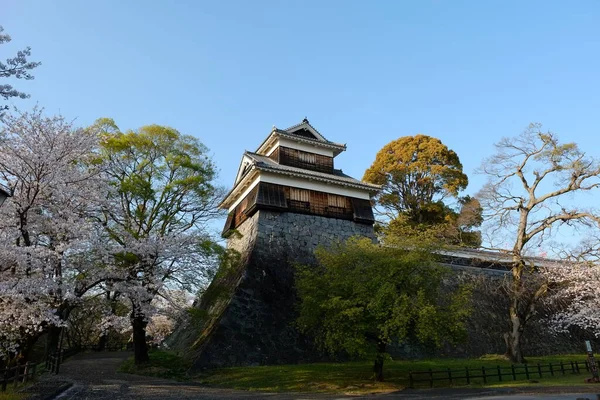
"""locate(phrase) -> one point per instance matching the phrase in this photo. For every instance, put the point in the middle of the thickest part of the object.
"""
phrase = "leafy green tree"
(417, 174)
(15, 67)
(361, 297)
(164, 195)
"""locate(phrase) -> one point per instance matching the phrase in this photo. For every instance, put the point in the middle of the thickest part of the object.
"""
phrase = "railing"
(19, 374)
(125, 346)
(499, 374)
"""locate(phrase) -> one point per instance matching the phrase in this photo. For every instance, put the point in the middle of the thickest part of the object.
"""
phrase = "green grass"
(162, 364)
(356, 377)
(350, 377)
(11, 395)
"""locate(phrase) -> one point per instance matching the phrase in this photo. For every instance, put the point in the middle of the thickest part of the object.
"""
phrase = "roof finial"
(305, 120)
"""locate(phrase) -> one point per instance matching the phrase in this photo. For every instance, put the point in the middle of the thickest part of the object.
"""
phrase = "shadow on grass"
(348, 378)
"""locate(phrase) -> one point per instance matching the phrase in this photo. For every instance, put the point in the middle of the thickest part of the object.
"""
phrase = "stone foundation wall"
(296, 235)
(257, 324)
(489, 321)
(251, 319)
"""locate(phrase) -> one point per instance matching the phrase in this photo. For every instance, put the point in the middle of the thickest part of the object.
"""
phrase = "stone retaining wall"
(257, 324)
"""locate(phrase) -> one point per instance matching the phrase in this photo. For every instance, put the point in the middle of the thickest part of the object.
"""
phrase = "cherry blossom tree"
(574, 291)
(48, 166)
(534, 189)
(157, 218)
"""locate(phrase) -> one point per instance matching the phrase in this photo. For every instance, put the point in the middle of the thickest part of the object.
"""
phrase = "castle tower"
(287, 200)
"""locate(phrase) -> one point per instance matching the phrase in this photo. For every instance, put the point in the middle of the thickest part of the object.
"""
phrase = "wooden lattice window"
(303, 159)
(336, 201)
(300, 195)
(308, 158)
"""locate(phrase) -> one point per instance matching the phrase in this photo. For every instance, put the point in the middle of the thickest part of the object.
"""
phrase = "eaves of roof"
(266, 164)
(304, 139)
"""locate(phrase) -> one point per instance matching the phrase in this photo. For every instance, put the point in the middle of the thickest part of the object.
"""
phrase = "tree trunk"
(102, 342)
(378, 367)
(52, 339)
(27, 347)
(512, 338)
(140, 347)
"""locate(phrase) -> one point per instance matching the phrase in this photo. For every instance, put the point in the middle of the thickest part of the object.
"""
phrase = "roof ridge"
(328, 142)
(306, 122)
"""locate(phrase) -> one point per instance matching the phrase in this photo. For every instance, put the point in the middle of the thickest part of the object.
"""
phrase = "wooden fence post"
(484, 376)
(430, 378)
(16, 377)
(410, 379)
(539, 369)
(450, 376)
(551, 370)
(499, 374)
(562, 368)
(468, 377)
(59, 359)
(4, 379)
(526, 372)
(512, 367)
(26, 372)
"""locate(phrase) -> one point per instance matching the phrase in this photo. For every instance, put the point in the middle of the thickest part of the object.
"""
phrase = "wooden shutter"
(271, 196)
(363, 212)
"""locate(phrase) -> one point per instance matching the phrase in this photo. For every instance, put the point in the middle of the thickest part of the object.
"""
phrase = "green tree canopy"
(417, 174)
(164, 195)
(362, 296)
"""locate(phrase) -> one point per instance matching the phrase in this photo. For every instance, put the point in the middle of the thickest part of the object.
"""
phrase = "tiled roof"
(285, 133)
(305, 123)
(266, 164)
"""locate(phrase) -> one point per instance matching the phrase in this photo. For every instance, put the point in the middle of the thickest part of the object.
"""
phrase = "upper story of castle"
(293, 171)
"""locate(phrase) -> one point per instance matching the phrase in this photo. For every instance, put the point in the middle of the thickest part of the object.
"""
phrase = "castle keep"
(292, 172)
(287, 199)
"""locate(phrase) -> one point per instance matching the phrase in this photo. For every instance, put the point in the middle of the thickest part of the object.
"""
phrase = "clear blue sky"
(364, 73)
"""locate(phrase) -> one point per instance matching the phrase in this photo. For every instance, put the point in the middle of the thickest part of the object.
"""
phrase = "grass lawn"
(162, 364)
(11, 395)
(353, 377)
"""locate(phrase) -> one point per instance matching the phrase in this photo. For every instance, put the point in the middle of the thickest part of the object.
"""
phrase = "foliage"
(417, 174)
(162, 364)
(15, 67)
(363, 296)
(574, 289)
(45, 227)
(93, 318)
(533, 181)
(163, 198)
